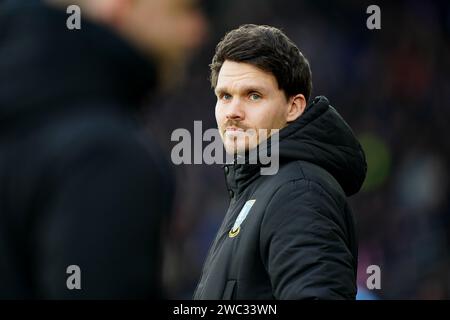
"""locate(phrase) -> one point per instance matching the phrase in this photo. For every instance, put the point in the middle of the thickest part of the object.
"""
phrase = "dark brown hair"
(269, 49)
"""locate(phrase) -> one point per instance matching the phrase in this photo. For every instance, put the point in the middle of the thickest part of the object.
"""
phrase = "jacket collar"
(239, 176)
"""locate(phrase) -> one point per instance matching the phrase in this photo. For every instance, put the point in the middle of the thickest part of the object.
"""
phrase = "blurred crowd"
(392, 87)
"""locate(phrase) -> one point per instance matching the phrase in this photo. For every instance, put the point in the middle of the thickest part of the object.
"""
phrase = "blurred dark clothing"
(298, 240)
(80, 182)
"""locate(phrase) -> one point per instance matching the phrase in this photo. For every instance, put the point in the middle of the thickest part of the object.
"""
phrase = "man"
(83, 192)
(290, 235)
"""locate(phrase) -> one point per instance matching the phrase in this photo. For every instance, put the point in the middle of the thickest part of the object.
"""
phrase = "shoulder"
(103, 128)
(302, 176)
(302, 188)
(81, 138)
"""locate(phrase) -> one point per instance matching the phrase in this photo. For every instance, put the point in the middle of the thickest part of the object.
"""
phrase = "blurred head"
(166, 30)
(262, 82)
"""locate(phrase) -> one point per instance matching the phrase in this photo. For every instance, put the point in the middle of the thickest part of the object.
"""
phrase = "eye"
(225, 96)
(254, 96)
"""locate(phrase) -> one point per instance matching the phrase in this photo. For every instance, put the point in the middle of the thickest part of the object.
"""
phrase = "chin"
(239, 145)
(232, 149)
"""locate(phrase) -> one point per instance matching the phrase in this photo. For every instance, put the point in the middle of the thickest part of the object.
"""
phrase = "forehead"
(239, 75)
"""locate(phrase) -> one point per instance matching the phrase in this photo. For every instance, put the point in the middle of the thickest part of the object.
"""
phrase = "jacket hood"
(319, 136)
(44, 65)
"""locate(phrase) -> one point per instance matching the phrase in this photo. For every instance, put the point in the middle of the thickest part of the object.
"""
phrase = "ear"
(297, 105)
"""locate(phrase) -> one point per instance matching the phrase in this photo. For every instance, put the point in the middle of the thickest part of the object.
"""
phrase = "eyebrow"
(246, 89)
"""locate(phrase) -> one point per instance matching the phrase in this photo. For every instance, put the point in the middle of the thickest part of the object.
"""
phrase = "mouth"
(233, 129)
(233, 132)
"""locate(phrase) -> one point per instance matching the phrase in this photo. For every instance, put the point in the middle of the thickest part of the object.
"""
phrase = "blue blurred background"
(392, 87)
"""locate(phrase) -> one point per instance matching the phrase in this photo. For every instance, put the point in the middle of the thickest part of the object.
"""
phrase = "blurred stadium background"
(391, 85)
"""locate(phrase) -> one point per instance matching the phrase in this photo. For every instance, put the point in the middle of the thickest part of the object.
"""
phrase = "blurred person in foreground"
(80, 182)
(290, 235)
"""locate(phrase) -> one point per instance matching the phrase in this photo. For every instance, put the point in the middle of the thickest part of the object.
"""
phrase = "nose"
(234, 111)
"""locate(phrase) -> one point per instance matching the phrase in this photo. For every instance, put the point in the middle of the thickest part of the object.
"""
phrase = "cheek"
(219, 115)
(273, 115)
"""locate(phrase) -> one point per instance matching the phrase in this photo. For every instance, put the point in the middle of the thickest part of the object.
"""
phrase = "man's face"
(248, 100)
